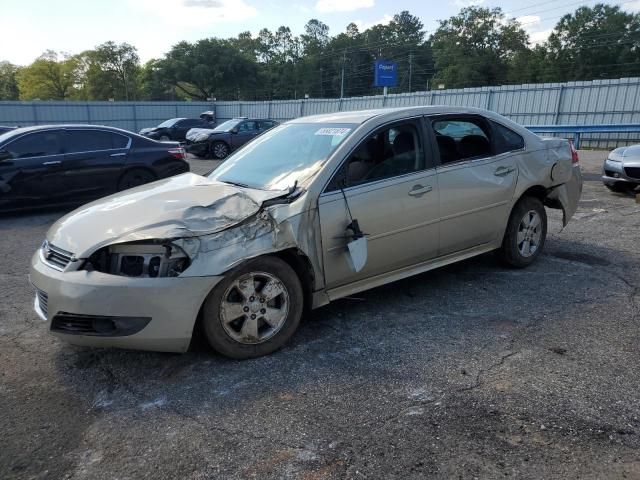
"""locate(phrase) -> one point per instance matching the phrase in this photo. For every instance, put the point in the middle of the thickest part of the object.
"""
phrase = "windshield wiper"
(237, 184)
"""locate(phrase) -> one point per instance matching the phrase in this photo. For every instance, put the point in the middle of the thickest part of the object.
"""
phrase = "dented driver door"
(399, 217)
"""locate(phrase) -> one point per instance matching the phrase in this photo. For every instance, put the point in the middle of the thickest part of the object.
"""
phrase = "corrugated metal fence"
(585, 103)
(128, 115)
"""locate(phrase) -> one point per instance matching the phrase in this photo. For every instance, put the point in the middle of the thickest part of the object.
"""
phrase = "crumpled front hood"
(195, 133)
(182, 206)
(147, 130)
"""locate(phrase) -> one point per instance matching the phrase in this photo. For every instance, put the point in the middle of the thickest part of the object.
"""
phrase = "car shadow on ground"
(430, 322)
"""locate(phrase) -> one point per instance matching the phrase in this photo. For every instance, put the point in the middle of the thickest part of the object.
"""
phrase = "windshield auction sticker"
(333, 131)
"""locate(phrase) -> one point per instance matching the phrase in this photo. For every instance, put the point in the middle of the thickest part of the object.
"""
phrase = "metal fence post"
(302, 107)
(556, 116)
(35, 113)
(269, 111)
(134, 111)
(489, 97)
(88, 112)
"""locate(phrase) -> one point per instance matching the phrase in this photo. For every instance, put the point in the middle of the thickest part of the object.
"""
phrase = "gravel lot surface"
(473, 370)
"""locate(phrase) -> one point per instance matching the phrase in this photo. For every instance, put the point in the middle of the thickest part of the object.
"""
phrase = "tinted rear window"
(90, 140)
(506, 139)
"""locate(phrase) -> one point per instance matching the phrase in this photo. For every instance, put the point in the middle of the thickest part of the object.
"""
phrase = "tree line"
(477, 47)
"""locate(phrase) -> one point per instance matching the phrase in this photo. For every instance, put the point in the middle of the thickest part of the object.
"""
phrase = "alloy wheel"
(529, 233)
(254, 308)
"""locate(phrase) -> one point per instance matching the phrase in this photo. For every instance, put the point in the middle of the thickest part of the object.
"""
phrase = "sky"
(29, 27)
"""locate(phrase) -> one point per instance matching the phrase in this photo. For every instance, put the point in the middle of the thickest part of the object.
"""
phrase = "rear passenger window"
(462, 139)
(87, 141)
(387, 153)
(506, 139)
(119, 141)
(93, 140)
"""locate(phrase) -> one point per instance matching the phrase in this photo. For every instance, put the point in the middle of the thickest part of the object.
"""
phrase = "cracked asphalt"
(470, 371)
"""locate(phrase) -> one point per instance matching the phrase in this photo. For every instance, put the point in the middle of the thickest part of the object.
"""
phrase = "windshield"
(169, 123)
(283, 155)
(226, 126)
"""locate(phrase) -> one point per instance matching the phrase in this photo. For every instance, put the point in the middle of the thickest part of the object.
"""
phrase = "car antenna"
(353, 226)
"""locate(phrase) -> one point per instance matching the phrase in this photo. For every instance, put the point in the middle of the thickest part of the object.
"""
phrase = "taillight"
(574, 153)
(177, 153)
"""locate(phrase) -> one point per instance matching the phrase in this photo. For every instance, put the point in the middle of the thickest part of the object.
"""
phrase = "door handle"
(503, 171)
(419, 190)
(52, 163)
(118, 154)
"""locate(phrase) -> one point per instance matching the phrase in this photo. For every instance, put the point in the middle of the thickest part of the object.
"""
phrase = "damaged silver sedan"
(316, 209)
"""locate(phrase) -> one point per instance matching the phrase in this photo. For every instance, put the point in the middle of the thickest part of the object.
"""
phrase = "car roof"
(361, 116)
(37, 128)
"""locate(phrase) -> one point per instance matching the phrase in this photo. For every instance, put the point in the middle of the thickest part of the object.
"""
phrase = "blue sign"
(386, 74)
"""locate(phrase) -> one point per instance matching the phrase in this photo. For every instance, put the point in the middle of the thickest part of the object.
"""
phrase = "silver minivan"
(313, 210)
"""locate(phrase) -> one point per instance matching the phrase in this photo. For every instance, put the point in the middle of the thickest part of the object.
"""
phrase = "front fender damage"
(268, 230)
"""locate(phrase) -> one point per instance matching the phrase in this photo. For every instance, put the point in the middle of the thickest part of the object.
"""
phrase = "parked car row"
(226, 137)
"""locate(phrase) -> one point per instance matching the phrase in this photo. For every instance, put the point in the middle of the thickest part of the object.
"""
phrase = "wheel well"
(133, 169)
(303, 268)
(213, 142)
(537, 191)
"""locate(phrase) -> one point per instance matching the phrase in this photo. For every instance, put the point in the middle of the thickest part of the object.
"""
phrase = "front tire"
(164, 138)
(219, 150)
(254, 310)
(526, 233)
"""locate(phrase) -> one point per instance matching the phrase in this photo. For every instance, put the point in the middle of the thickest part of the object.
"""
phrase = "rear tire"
(526, 233)
(254, 310)
(135, 178)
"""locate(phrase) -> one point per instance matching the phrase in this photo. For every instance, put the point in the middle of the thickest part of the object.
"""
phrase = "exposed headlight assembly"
(150, 260)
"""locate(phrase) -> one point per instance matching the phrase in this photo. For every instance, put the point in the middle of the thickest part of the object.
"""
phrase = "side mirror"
(234, 130)
(5, 155)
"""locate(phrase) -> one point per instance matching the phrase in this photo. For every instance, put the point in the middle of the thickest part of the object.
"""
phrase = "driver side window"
(387, 153)
(247, 126)
(39, 144)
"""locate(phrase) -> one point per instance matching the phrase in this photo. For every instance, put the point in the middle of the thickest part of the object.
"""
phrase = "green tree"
(112, 71)
(50, 77)
(207, 68)
(475, 48)
(8, 81)
(602, 41)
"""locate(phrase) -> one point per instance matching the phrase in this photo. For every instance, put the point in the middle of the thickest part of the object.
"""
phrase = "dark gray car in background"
(226, 137)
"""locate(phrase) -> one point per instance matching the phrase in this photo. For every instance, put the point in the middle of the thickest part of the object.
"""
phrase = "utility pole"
(344, 60)
(410, 68)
